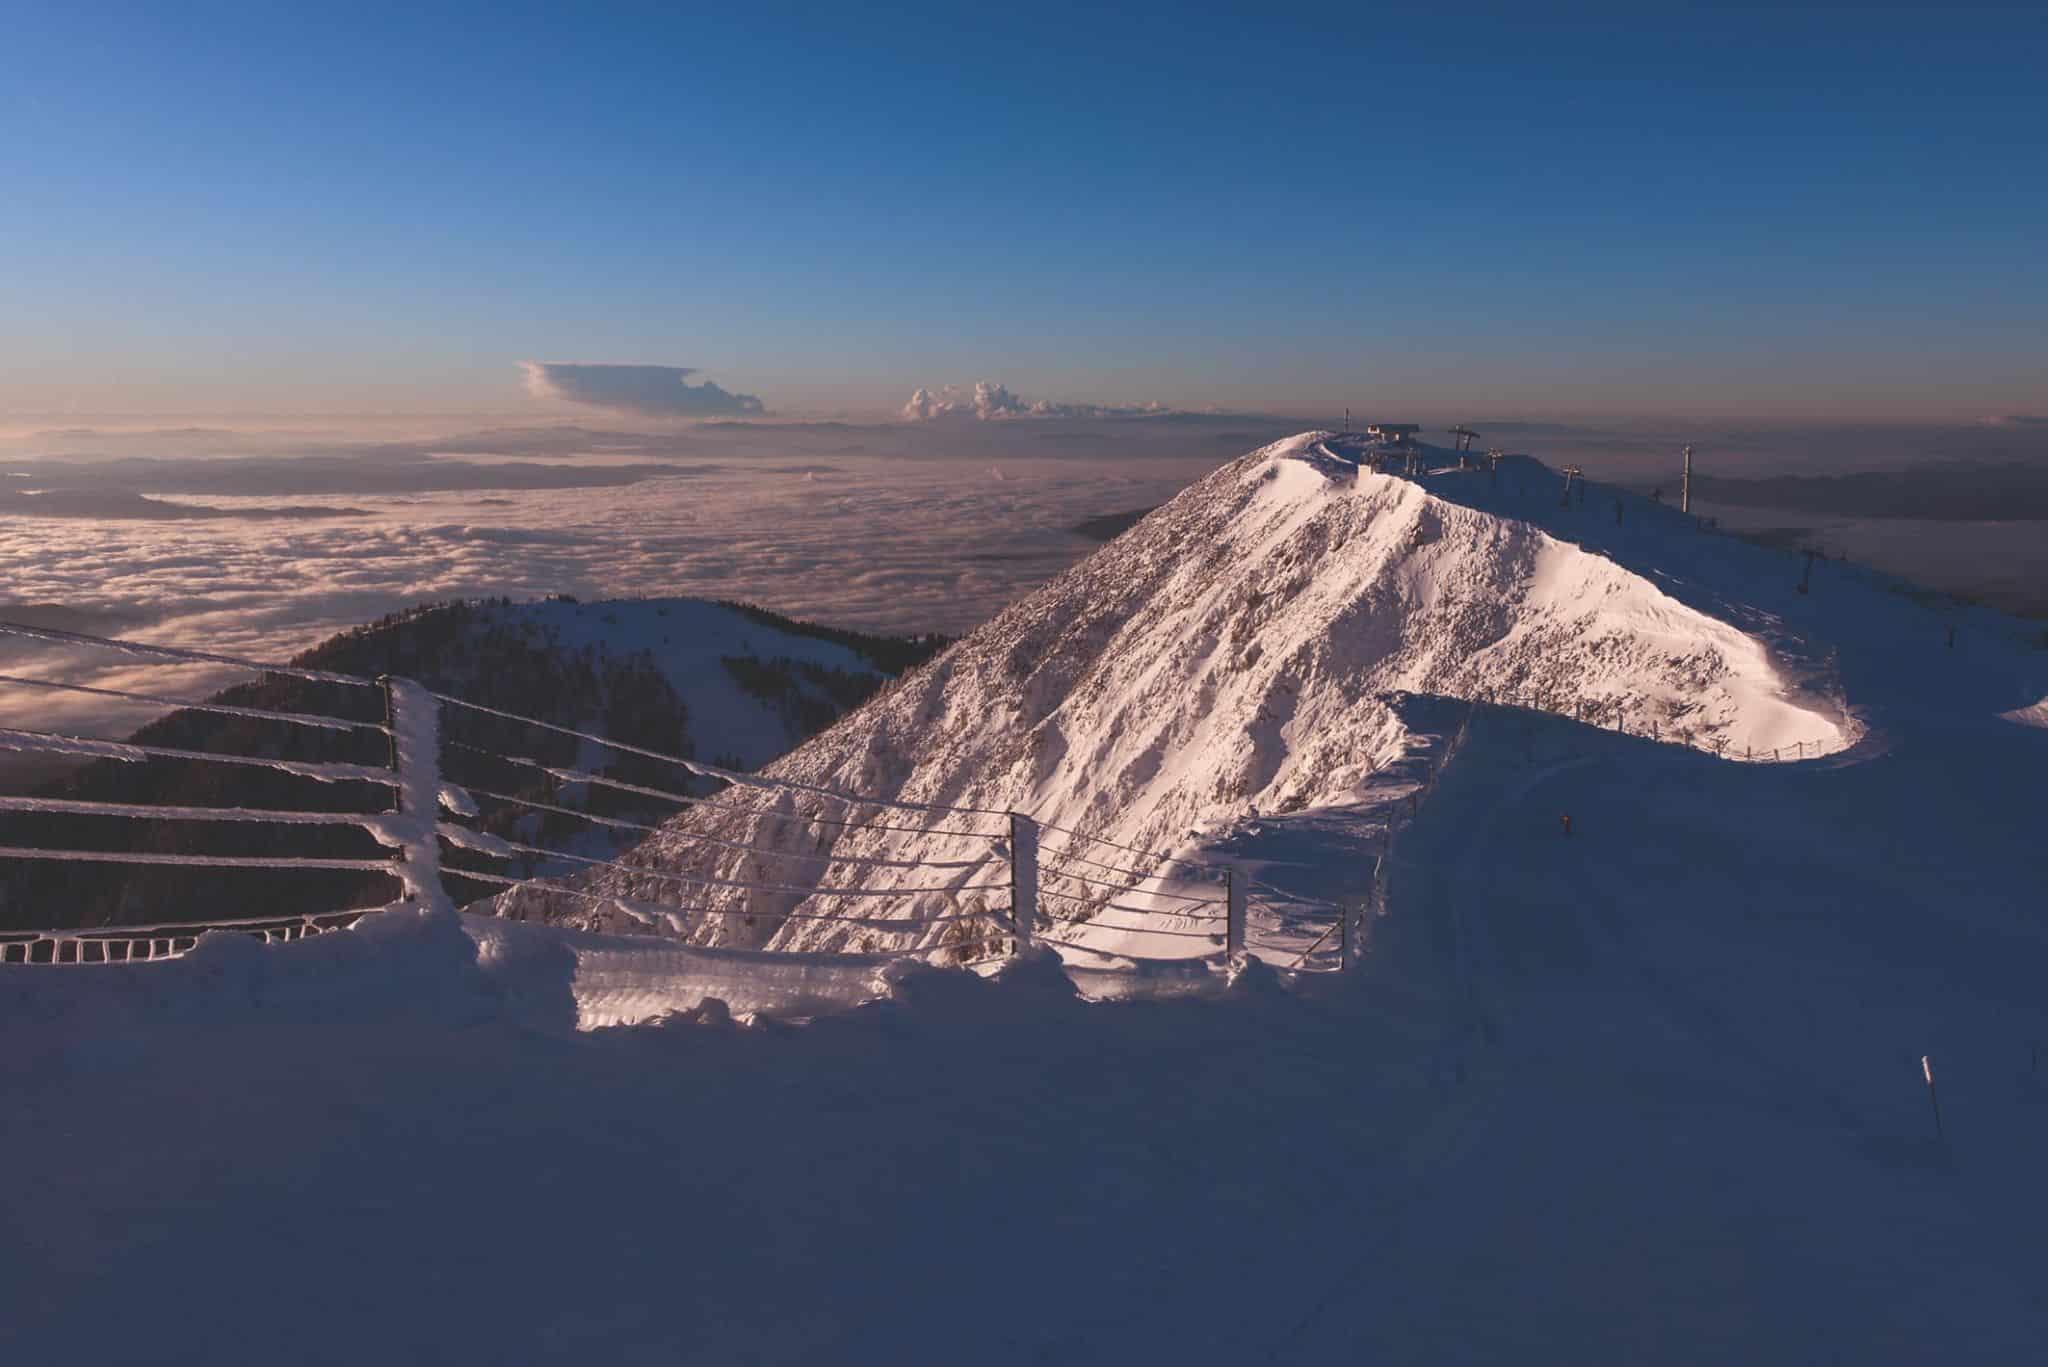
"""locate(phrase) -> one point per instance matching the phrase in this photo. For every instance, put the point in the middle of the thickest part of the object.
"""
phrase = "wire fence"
(477, 805)
(484, 807)
(1344, 938)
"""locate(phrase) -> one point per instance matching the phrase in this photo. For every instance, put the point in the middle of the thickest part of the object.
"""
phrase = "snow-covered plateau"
(1655, 1088)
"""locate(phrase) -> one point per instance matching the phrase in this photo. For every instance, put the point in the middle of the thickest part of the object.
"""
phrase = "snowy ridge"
(1245, 650)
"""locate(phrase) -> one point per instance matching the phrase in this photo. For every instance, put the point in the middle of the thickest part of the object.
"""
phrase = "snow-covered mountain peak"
(1249, 648)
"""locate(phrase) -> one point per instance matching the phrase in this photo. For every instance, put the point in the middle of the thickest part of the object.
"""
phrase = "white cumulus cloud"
(649, 390)
(988, 401)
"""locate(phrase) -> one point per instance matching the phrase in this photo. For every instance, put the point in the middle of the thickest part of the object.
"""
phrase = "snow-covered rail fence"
(136, 944)
(1350, 926)
(355, 773)
(546, 812)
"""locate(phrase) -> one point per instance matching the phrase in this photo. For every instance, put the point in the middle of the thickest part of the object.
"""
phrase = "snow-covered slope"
(1652, 1093)
(697, 644)
(1251, 649)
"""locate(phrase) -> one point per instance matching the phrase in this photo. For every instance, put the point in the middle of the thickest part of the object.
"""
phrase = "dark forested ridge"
(889, 654)
(502, 655)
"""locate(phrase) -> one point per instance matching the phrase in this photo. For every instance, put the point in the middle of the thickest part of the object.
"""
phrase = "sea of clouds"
(208, 545)
(261, 543)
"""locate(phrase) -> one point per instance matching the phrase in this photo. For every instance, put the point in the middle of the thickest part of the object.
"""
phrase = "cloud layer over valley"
(809, 521)
(263, 544)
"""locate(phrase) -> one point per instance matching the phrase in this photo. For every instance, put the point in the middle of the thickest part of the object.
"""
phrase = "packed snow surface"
(1648, 1092)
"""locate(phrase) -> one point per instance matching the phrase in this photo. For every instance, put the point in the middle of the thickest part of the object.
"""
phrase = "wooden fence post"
(1023, 876)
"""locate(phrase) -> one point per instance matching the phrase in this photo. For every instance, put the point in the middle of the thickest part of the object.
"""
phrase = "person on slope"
(1566, 820)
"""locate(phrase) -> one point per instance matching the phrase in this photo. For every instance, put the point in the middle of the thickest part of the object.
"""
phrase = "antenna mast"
(1685, 488)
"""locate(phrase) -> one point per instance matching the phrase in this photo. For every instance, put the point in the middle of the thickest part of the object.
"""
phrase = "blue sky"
(1625, 210)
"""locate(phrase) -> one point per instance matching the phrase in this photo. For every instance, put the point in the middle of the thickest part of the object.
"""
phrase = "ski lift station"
(1393, 431)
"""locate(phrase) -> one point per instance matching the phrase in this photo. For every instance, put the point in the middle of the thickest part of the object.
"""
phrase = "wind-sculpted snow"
(1245, 649)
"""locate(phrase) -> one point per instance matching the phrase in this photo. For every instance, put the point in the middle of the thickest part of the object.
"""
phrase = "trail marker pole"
(1235, 887)
(1933, 1096)
(1023, 876)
